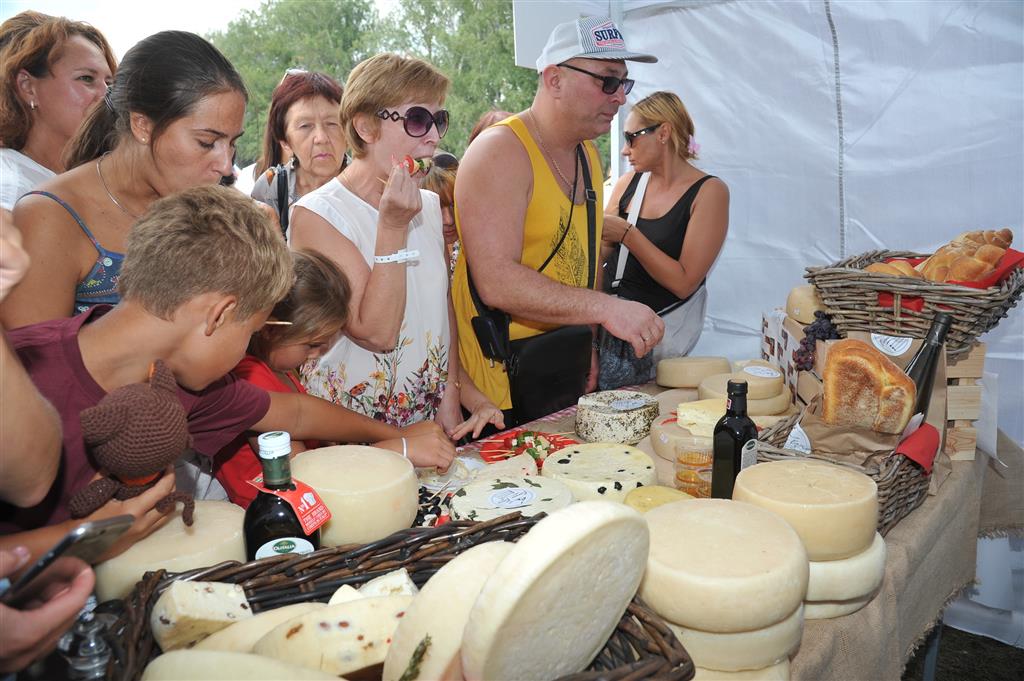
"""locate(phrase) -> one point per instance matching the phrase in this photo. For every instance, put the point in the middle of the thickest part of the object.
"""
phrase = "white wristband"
(405, 448)
(402, 255)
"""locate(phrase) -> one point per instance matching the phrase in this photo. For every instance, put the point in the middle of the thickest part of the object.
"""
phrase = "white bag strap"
(634, 213)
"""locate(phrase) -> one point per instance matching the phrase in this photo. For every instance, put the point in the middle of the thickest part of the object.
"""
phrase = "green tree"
(330, 36)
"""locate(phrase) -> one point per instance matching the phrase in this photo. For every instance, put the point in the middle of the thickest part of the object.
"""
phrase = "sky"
(125, 22)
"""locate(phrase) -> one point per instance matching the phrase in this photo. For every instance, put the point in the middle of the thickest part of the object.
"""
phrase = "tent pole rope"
(839, 124)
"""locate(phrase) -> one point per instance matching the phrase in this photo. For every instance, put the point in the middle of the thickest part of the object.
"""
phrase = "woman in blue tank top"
(169, 122)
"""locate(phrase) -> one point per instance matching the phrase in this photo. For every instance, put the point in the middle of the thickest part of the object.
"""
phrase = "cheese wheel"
(777, 672)
(741, 363)
(824, 610)
(441, 611)
(667, 435)
(215, 536)
(240, 637)
(849, 578)
(216, 665)
(643, 499)
(763, 421)
(338, 638)
(699, 418)
(552, 603)
(762, 381)
(520, 464)
(370, 492)
(802, 302)
(723, 566)
(670, 399)
(688, 372)
(833, 509)
(494, 497)
(743, 650)
(715, 387)
(623, 416)
(601, 471)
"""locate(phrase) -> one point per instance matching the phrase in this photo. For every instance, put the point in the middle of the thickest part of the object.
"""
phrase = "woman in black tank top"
(680, 226)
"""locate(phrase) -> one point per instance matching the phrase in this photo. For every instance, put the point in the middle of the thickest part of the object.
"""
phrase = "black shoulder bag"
(547, 372)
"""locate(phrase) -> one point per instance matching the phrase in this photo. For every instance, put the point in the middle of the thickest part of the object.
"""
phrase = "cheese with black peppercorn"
(623, 416)
(601, 470)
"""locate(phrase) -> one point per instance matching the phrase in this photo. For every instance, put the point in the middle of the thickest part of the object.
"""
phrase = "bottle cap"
(274, 444)
(940, 327)
(736, 387)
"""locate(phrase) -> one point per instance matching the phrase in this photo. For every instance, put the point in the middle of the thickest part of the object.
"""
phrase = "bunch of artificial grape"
(820, 329)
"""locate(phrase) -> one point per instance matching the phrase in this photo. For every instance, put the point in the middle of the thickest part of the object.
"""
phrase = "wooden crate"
(963, 404)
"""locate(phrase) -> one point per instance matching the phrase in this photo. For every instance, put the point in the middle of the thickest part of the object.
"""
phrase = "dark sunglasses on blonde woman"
(417, 120)
(631, 136)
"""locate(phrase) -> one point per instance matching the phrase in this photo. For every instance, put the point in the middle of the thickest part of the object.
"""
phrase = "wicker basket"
(851, 298)
(641, 647)
(902, 484)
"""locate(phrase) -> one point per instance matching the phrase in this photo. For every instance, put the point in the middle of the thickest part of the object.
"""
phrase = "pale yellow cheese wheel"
(667, 434)
(670, 399)
(743, 650)
(762, 381)
(715, 387)
(218, 665)
(371, 492)
(802, 302)
(643, 499)
(723, 566)
(832, 508)
(849, 578)
(688, 372)
(777, 672)
(215, 536)
(824, 610)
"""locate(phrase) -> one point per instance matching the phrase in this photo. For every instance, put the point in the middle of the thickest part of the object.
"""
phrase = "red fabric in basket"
(922, 446)
(1010, 260)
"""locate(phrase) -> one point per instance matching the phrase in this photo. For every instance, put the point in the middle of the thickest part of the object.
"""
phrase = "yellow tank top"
(546, 217)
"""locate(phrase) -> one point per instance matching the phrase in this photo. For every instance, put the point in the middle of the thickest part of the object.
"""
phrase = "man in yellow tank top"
(514, 211)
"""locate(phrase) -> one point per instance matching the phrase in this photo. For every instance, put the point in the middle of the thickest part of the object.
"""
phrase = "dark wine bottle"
(733, 431)
(271, 525)
(921, 369)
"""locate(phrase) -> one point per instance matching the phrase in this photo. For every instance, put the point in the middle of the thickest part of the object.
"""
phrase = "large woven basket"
(851, 298)
(902, 484)
(641, 647)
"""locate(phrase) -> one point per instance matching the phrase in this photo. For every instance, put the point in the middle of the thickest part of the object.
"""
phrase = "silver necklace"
(543, 147)
(107, 189)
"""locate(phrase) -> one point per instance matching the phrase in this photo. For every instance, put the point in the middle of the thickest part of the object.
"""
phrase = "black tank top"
(667, 233)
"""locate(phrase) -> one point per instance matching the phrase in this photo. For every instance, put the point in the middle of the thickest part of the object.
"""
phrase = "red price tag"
(307, 504)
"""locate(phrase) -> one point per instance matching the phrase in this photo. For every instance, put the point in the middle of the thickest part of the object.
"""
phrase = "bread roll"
(863, 388)
(883, 268)
(968, 268)
(905, 269)
(990, 254)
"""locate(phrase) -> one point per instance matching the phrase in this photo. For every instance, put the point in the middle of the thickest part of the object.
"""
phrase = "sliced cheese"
(521, 464)
(824, 610)
(494, 497)
(802, 302)
(240, 637)
(394, 583)
(670, 399)
(344, 594)
(339, 638)
(699, 418)
(371, 492)
(643, 499)
(723, 566)
(441, 610)
(688, 372)
(849, 578)
(188, 612)
(215, 536)
(623, 416)
(601, 471)
(216, 665)
(777, 672)
(552, 603)
(743, 650)
(716, 387)
(832, 508)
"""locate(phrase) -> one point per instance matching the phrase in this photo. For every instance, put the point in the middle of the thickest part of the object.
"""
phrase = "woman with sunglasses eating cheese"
(395, 355)
(672, 219)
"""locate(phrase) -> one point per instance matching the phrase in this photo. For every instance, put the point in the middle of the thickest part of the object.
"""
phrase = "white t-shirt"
(19, 174)
(403, 386)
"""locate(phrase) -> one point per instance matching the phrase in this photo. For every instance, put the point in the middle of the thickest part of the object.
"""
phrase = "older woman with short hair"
(374, 222)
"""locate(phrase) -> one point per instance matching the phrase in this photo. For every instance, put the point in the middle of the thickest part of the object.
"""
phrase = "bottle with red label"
(272, 521)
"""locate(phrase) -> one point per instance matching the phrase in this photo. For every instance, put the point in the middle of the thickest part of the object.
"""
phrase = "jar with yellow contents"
(693, 459)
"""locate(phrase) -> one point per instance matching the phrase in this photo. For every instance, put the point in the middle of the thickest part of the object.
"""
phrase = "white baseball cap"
(589, 38)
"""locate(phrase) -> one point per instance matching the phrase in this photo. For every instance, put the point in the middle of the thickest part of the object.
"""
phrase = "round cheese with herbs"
(601, 470)
(743, 650)
(491, 498)
(615, 416)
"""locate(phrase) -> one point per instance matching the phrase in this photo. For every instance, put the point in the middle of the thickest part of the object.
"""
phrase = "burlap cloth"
(930, 559)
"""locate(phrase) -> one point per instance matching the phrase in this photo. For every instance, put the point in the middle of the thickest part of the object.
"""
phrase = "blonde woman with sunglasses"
(395, 355)
(664, 226)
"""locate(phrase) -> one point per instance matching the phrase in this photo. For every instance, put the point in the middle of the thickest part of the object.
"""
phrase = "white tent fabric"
(921, 137)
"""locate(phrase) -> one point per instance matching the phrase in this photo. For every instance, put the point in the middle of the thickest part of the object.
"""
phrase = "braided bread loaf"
(972, 256)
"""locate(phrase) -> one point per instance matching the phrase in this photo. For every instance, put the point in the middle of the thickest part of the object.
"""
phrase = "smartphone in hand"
(87, 542)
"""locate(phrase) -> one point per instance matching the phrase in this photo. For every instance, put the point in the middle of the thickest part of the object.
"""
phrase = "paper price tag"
(310, 509)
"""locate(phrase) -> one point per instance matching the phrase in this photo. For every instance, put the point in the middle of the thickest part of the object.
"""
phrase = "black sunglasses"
(609, 84)
(630, 136)
(417, 120)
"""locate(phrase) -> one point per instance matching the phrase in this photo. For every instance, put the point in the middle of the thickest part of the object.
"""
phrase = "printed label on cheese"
(517, 497)
(894, 346)
(798, 440)
(628, 404)
(282, 545)
(491, 498)
(763, 372)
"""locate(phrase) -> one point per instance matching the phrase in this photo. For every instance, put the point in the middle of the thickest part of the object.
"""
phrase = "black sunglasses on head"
(417, 120)
(630, 136)
(609, 84)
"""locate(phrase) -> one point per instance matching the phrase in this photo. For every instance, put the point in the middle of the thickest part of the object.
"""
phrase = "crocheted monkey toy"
(134, 433)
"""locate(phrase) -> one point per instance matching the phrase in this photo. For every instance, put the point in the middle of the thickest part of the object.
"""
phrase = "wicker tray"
(850, 296)
(902, 484)
(641, 647)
